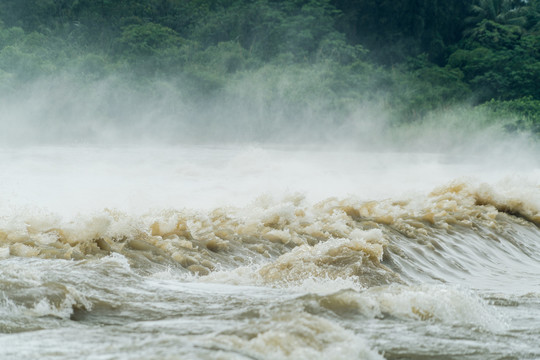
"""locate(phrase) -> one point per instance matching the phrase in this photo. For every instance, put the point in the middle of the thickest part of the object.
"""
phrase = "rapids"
(267, 253)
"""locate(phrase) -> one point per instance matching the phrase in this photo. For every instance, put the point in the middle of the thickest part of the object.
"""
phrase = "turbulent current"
(259, 253)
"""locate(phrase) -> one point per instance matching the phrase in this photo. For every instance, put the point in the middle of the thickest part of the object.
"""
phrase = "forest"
(413, 57)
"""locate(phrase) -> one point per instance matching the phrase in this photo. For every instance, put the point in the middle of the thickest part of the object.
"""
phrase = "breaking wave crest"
(459, 232)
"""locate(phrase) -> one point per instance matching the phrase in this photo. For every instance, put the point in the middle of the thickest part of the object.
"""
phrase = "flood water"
(267, 253)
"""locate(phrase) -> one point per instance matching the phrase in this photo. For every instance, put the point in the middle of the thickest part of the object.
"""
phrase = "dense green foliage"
(414, 56)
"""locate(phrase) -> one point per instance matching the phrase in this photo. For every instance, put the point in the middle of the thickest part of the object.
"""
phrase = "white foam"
(301, 336)
(442, 303)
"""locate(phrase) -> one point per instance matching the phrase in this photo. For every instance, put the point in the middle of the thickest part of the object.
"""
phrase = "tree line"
(417, 55)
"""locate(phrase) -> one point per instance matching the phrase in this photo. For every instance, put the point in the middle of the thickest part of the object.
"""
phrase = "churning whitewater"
(258, 253)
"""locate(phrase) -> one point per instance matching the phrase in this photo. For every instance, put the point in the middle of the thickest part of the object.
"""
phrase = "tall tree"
(395, 30)
(507, 12)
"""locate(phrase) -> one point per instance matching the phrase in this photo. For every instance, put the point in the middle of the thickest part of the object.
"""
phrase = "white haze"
(266, 106)
(71, 147)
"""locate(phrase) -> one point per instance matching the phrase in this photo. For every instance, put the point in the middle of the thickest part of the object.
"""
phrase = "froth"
(290, 240)
(357, 255)
(438, 303)
(299, 336)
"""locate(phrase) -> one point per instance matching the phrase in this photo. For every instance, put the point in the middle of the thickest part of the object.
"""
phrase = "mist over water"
(265, 106)
(107, 143)
(68, 180)
(251, 227)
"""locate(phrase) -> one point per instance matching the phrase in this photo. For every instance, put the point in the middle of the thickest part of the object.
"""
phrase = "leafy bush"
(524, 113)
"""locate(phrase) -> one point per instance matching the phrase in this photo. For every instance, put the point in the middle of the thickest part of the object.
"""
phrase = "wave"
(449, 305)
(298, 336)
(458, 233)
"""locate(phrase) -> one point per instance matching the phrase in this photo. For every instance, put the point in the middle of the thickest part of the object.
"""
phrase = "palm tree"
(504, 12)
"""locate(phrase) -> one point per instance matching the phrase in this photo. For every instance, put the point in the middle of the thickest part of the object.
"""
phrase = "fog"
(69, 147)
(268, 106)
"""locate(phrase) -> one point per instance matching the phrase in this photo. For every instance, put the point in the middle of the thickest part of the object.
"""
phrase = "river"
(254, 252)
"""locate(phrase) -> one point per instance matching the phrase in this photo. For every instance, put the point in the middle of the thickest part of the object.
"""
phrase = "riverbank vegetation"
(411, 57)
